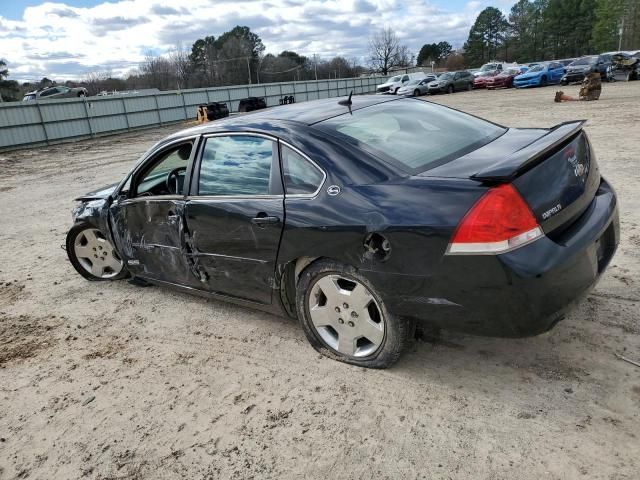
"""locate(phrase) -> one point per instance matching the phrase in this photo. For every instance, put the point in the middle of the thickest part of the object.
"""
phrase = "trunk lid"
(554, 170)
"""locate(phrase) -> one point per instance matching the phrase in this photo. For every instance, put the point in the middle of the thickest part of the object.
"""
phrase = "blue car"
(540, 75)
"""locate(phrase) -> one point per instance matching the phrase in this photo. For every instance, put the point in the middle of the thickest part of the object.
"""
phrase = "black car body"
(450, 219)
(580, 68)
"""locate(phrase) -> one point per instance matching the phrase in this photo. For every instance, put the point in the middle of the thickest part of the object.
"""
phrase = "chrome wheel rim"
(346, 316)
(96, 254)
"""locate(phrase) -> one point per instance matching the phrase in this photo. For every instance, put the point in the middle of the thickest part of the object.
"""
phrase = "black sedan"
(360, 218)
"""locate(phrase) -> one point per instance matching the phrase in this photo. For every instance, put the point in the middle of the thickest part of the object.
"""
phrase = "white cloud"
(64, 42)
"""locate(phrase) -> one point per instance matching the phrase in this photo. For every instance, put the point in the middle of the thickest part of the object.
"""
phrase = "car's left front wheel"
(92, 255)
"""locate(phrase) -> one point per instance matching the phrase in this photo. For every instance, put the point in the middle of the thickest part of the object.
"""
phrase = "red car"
(481, 80)
(504, 79)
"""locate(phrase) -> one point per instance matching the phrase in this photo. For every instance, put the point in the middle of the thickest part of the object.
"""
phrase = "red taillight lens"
(498, 222)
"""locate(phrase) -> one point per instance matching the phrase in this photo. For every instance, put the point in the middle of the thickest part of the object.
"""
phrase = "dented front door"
(150, 232)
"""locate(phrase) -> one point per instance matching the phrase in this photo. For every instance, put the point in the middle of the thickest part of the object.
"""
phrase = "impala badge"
(333, 190)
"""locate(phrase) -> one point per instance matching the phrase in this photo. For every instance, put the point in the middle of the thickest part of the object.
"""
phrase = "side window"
(405, 78)
(165, 174)
(49, 92)
(237, 165)
(301, 177)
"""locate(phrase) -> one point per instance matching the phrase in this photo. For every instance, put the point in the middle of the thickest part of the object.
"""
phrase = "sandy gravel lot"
(111, 381)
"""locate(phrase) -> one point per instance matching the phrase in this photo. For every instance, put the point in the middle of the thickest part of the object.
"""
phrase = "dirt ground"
(113, 381)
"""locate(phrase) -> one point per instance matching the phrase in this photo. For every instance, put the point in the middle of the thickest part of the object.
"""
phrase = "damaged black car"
(361, 218)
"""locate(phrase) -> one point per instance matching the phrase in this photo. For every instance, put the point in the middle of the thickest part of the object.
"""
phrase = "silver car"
(417, 87)
(55, 93)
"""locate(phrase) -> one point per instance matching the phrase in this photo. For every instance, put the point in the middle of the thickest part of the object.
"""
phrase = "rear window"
(413, 135)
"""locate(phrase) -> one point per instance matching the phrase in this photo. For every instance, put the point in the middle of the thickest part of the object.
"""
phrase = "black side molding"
(527, 157)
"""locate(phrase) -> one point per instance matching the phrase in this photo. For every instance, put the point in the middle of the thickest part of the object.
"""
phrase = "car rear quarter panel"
(417, 216)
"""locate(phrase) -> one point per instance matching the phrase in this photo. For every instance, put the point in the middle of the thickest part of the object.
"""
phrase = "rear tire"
(416, 93)
(92, 255)
(344, 318)
(450, 89)
(469, 87)
(543, 81)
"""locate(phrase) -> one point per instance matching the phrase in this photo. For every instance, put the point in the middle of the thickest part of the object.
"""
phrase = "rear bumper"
(521, 293)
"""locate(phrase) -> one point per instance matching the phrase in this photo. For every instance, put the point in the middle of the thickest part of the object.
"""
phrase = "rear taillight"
(499, 222)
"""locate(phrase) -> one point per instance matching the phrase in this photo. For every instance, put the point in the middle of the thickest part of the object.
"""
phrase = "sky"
(65, 40)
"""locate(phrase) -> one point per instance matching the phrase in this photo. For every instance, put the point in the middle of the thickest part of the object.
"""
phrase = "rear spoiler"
(530, 155)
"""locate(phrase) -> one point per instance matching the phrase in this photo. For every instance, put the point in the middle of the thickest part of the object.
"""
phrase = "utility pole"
(315, 64)
(249, 69)
(620, 34)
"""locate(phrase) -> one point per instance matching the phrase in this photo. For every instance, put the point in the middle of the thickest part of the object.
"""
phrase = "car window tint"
(411, 134)
(236, 165)
(300, 175)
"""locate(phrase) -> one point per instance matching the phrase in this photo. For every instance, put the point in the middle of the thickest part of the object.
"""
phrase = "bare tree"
(386, 52)
(94, 80)
(179, 59)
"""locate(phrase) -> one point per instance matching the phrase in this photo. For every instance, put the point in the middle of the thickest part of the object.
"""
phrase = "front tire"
(416, 93)
(543, 81)
(92, 255)
(344, 318)
(450, 89)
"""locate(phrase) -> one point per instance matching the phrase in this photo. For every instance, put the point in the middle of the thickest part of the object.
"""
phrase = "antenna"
(346, 102)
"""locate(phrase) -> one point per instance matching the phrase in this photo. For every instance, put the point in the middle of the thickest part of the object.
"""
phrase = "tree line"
(553, 29)
(235, 57)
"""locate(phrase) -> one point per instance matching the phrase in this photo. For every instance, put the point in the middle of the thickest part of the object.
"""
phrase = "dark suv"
(451, 82)
(578, 69)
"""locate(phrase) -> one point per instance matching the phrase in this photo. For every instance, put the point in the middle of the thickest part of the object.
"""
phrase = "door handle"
(264, 219)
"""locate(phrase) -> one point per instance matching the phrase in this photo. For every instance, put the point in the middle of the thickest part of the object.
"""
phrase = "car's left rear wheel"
(92, 254)
(345, 319)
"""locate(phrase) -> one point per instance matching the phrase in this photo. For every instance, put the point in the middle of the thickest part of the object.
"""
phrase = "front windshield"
(396, 79)
(28, 98)
(512, 71)
(488, 66)
(414, 82)
(537, 68)
(585, 61)
(412, 135)
(445, 76)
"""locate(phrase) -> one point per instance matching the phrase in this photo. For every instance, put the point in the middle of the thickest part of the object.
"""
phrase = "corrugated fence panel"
(22, 114)
(55, 112)
(143, 119)
(22, 135)
(140, 104)
(111, 123)
(196, 98)
(111, 107)
(32, 123)
(68, 129)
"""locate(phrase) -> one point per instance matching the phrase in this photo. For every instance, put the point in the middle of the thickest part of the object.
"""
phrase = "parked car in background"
(50, 93)
(395, 83)
(480, 81)
(580, 68)
(488, 67)
(504, 79)
(540, 75)
(417, 87)
(626, 66)
(451, 82)
(567, 61)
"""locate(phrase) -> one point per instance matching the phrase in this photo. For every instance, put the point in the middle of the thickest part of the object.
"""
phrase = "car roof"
(306, 113)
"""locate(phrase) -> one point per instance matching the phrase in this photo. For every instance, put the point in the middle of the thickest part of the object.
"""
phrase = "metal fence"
(28, 124)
